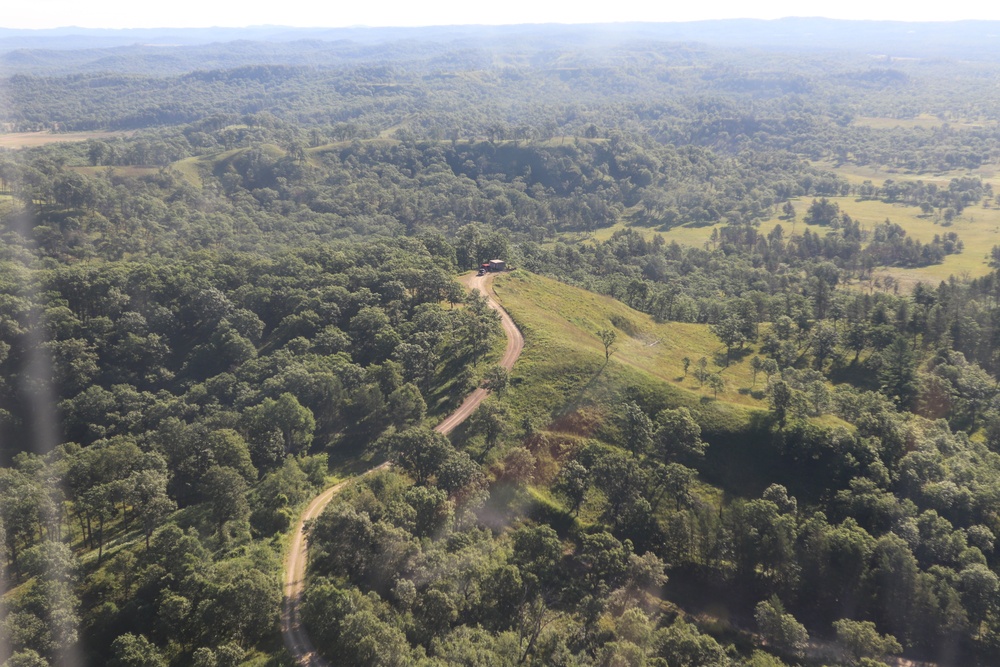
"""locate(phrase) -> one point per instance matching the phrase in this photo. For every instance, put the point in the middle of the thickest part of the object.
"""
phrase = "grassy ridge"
(192, 167)
(563, 366)
(15, 140)
(562, 379)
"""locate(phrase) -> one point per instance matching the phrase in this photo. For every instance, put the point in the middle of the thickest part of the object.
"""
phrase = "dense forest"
(226, 287)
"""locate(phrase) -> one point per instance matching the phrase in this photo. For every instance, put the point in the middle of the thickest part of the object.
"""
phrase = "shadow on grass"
(349, 455)
(698, 224)
(735, 356)
(578, 398)
(445, 398)
(752, 392)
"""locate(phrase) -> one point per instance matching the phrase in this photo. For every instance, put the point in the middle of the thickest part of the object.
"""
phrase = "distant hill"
(172, 50)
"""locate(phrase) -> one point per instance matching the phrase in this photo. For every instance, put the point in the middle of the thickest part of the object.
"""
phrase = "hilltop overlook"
(263, 398)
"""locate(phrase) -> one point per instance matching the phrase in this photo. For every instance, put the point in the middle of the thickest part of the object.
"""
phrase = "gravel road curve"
(292, 630)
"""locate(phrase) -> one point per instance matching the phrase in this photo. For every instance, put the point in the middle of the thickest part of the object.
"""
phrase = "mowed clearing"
(32, 139)
(977, 227)
(563, 356)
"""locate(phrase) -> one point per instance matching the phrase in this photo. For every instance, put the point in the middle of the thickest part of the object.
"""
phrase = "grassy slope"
(192, 167)
(563, 366)
(562, 379)
(16, 140)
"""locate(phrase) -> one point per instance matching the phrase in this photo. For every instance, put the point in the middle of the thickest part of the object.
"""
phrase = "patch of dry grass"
(32, 139)
(562, 349)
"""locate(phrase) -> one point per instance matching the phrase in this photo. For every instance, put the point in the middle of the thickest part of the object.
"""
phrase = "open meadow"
(978, 227)
(560, 324)
(32, 139)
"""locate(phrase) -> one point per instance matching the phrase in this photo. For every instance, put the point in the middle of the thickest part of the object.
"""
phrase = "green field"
(977, 227)
(191, 168)
(857, 174)
(688, 235)
(564, 357)
(33, 139)
(563, 382)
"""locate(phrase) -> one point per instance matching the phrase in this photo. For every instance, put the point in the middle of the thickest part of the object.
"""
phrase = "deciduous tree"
(608, 336)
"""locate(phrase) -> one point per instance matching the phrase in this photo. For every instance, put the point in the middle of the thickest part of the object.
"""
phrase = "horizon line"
(266, 26)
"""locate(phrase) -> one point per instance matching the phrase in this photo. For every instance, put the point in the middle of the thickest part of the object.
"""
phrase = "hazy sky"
(201, 13)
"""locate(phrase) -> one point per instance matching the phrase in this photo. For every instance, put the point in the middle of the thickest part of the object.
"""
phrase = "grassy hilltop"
(566, 358)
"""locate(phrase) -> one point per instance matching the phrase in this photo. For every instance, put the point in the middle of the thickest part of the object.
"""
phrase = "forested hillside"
(757, 417)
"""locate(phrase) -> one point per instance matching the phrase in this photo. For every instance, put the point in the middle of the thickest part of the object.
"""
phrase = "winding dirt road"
(292, 631)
